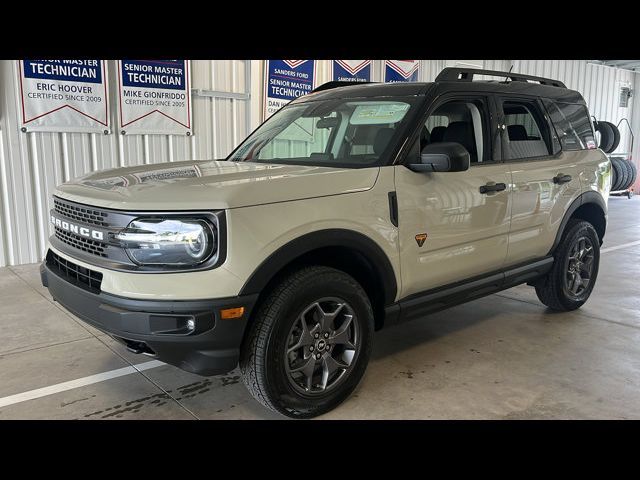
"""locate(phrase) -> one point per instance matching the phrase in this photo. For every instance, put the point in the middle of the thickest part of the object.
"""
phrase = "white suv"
(354, 207)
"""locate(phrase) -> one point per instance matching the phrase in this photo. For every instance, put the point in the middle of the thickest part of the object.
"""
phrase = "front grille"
(75, 274)
(81, 213)
(88, 245)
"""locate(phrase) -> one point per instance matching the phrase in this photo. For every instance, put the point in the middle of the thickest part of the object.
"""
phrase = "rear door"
(545, 180)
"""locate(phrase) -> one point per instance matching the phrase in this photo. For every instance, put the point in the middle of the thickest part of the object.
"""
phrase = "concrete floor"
(501, 357)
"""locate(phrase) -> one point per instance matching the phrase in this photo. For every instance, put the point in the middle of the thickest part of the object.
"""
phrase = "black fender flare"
(583, 199)
(336, 237)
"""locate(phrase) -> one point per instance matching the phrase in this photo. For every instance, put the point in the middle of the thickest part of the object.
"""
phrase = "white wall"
(31, 164)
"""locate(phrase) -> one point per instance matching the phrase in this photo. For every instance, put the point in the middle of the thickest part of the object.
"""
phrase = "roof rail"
(455, 74)
(336, 84)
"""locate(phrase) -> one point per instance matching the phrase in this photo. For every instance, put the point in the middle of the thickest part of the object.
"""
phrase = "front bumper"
(212, 349)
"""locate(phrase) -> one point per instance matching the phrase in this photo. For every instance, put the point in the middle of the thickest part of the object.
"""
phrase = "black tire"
(614, 176)
(606, 136)
(628, 173)
(554, 290)
(619, 173)
(264, 360)
(628, 181)
(634, 173)
(616, 137)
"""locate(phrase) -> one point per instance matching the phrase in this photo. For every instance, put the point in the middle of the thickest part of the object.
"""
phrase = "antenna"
(507, 79)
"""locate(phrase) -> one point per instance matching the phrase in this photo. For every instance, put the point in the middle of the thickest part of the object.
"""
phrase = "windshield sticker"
(378, 113)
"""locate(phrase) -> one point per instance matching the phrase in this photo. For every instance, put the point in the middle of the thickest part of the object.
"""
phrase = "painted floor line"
(80, 382)
(618, 247)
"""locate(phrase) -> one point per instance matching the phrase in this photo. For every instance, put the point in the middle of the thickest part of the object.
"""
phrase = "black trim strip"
(423, 303)
(586, 197)
(393, 208)
(320, 239)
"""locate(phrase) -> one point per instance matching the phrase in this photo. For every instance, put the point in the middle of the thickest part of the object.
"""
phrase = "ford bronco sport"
(351, 209)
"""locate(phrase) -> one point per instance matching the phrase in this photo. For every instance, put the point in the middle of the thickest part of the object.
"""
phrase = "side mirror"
(442, 157)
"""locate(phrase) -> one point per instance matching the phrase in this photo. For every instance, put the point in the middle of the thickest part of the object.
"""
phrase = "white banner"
(63, 95)
(155, 97)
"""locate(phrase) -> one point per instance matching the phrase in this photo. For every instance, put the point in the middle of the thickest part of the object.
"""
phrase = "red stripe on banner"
(155, 111)
(66, 106)
(294, 63)
(24, 118)
(120, 92)
(188, 92)
(106, 97)
(401, 71)
(354, 70)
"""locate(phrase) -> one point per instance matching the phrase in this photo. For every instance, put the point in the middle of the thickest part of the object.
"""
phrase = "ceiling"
(626, 64)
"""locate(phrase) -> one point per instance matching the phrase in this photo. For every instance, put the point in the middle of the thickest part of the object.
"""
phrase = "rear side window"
(527, 131)
(572, 124)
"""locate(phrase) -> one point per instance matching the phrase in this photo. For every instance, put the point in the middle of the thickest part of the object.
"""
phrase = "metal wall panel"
(32, 164)
(598, 84)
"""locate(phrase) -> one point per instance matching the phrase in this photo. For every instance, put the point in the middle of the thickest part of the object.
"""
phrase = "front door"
(466, 226)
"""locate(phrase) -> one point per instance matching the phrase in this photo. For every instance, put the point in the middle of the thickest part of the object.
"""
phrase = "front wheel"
(309, 343)
(576, 260)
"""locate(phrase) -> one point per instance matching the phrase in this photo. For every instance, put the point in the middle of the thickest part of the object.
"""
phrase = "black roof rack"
(336, 84)
(454, 74)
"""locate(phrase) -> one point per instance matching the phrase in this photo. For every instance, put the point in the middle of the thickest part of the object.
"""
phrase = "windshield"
(341, 132)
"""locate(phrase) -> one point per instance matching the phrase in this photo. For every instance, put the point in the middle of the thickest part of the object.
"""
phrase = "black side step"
(420, 304)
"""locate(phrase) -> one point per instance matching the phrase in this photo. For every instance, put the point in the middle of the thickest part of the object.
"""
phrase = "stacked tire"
(609, 136)
(624, 174)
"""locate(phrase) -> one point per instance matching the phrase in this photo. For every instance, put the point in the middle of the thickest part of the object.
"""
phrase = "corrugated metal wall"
(32, 164)
(599, 85)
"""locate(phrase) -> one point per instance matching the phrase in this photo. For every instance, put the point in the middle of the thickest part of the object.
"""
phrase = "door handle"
(492, 187)
(560, 179)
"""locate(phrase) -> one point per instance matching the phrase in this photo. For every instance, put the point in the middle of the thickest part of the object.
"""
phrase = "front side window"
(572, 124)
(342, 133)
(462, 121)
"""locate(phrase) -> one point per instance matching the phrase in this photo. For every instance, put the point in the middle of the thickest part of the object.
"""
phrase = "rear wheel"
(571, 280)
(309, 344)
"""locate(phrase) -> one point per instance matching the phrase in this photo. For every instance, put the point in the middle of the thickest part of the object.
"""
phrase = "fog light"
(191, 324)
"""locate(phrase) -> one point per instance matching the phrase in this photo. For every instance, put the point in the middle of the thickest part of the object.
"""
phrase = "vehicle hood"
(211, 185)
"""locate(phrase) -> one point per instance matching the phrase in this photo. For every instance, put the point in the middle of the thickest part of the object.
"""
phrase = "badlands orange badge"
(420, 238)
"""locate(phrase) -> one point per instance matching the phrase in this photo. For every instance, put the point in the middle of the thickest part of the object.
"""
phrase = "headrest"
(517, 133)
(462, 133)
(382, 140)
(437, 133)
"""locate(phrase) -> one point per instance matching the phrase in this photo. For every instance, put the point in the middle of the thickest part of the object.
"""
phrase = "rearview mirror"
(442, 157)
(327, 122)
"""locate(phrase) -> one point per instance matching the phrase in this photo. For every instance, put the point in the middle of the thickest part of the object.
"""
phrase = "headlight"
(166, 241)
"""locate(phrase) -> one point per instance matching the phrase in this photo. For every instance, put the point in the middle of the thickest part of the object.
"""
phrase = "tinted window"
(572, 124)
(463, 122)
(527, 132)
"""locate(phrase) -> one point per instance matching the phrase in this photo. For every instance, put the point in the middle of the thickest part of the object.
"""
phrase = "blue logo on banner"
(350, 71)
(395, 72)
(165, 74)
(289, 79)
(88, 71)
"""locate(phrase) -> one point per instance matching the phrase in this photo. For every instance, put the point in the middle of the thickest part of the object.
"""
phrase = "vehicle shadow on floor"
(404, 336)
